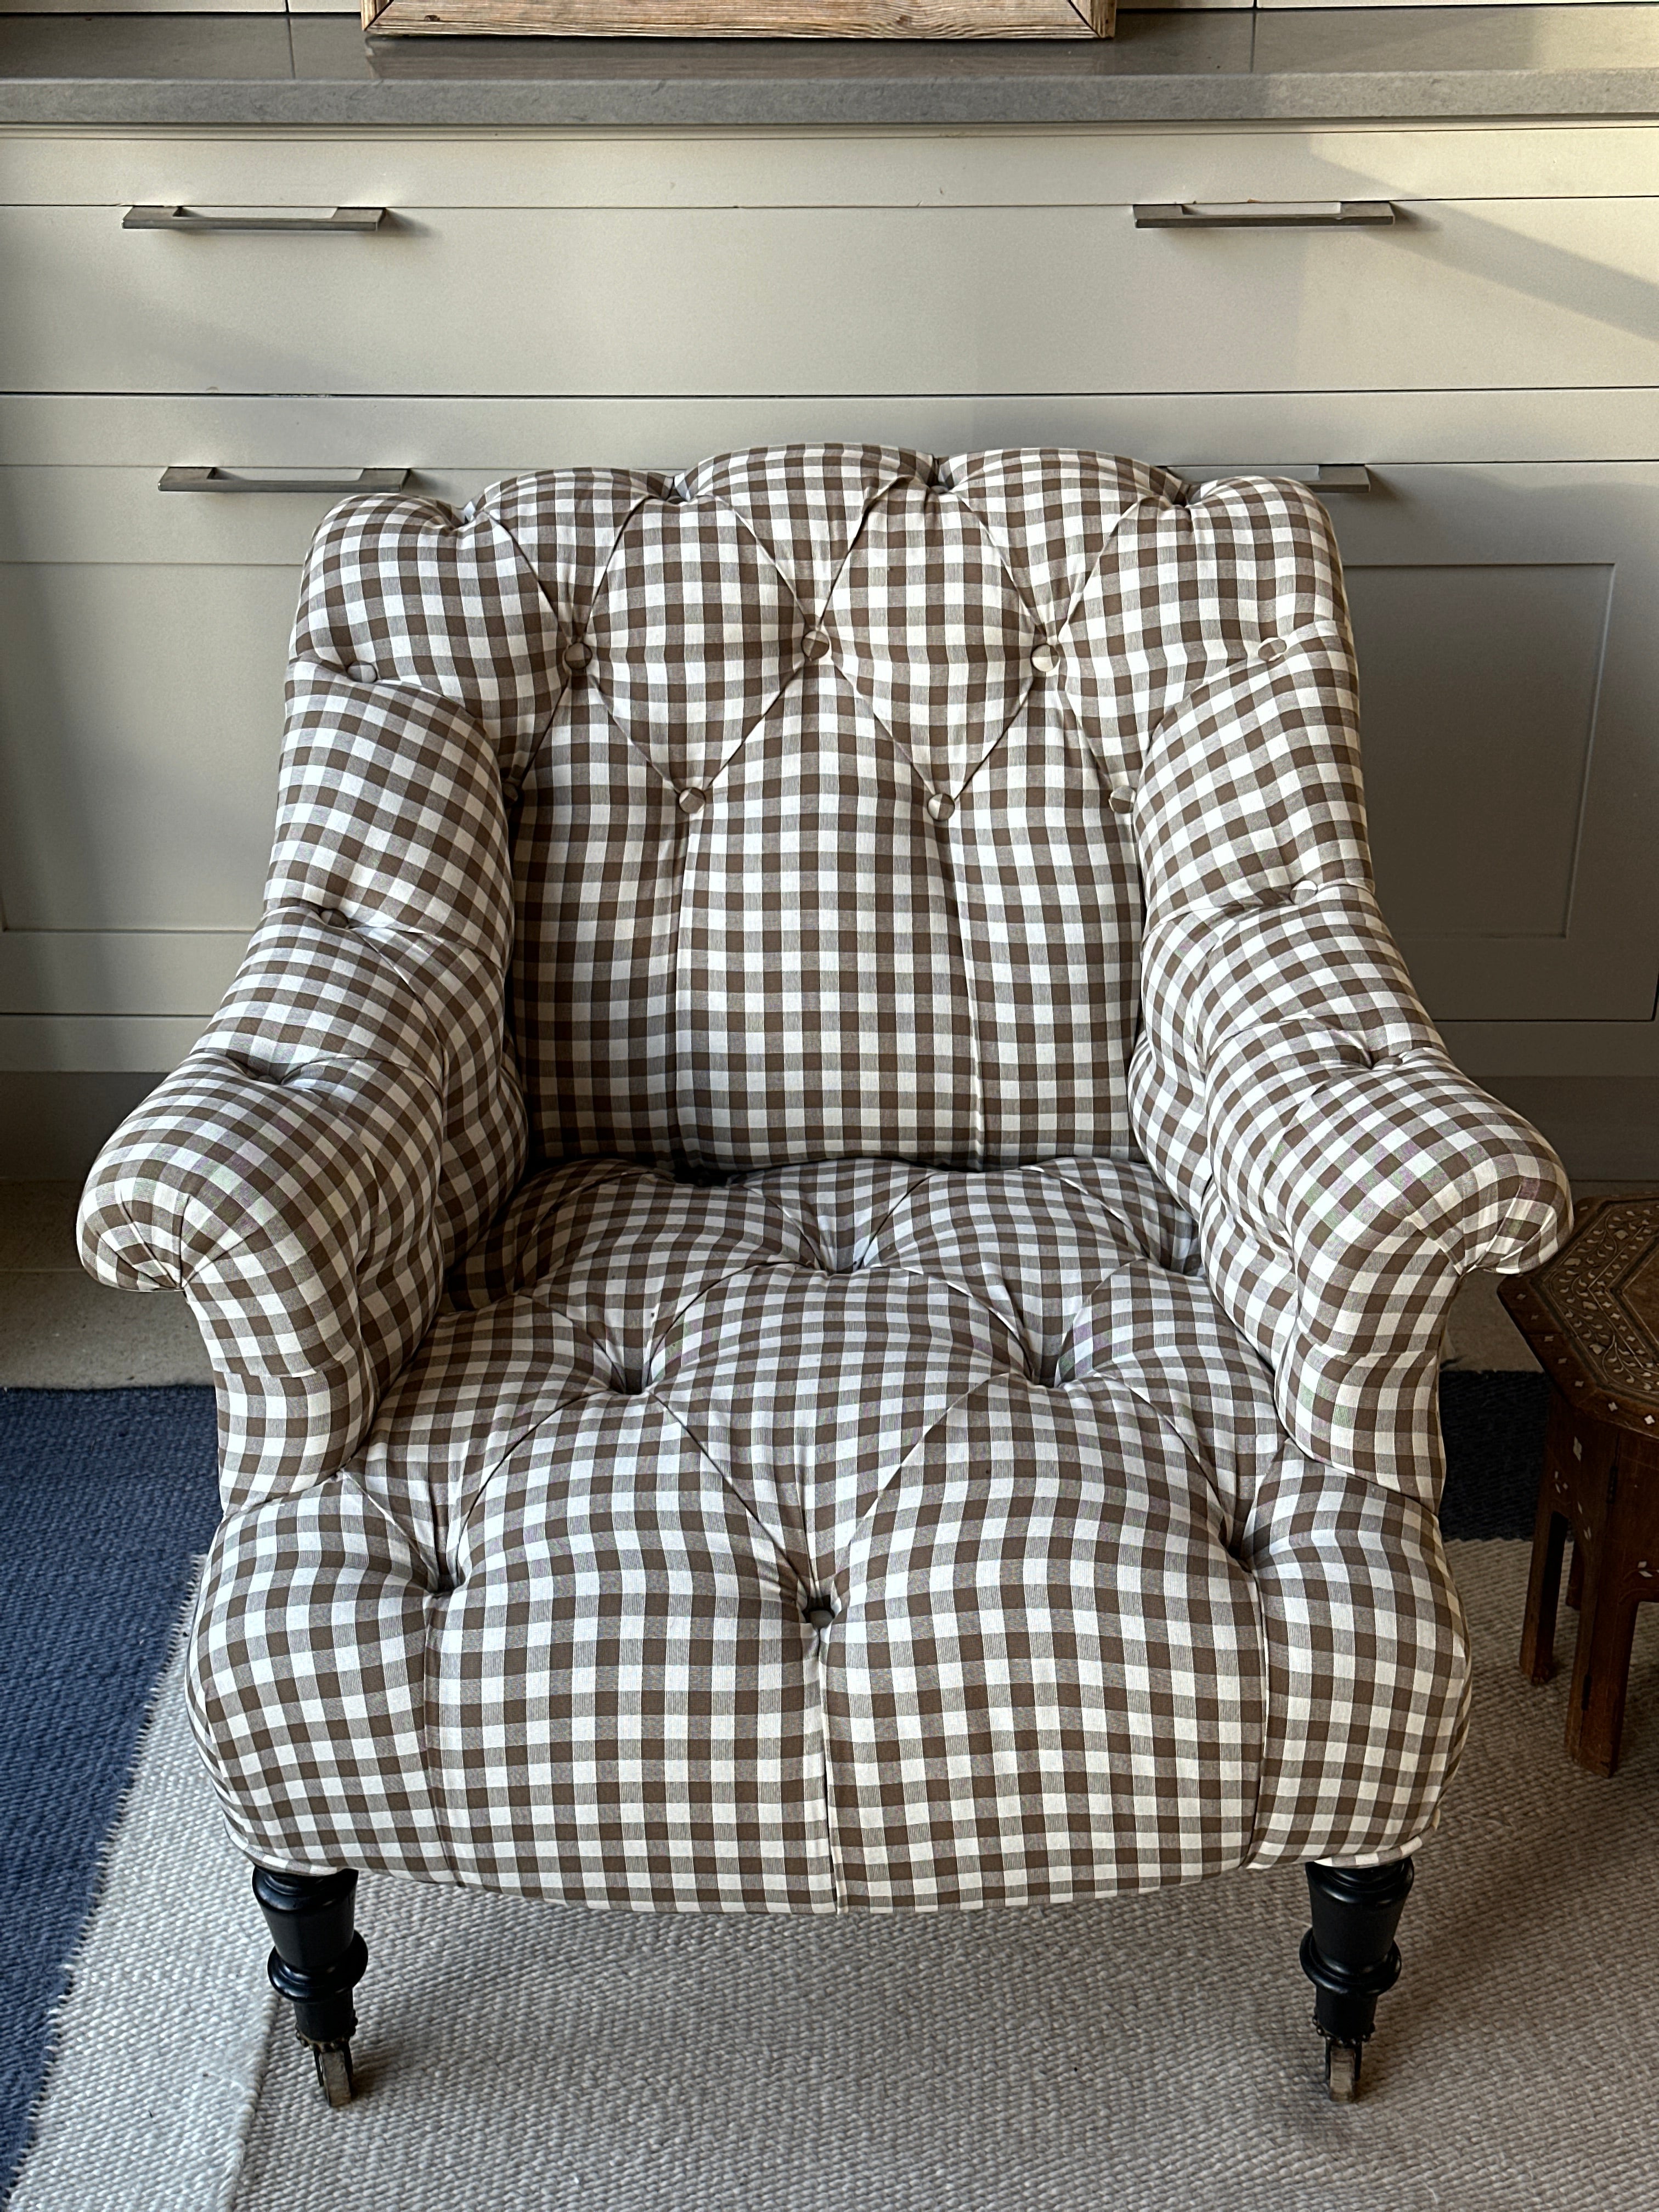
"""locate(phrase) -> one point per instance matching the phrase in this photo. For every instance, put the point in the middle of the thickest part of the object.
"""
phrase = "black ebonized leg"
(318, 1961)
(1350, 1956)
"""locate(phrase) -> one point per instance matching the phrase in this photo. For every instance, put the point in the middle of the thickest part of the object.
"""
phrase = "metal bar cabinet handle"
(1331, 476)
(279, 219)
(1328, 476)
(1261, 215)
(222, 480)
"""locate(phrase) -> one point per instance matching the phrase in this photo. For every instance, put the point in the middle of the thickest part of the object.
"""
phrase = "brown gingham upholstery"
(822, 1036)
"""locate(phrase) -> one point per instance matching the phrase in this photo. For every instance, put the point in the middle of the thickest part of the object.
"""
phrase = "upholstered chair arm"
(305, 1178)
(352, 1115)
(1348, 1176)
(1287, 1082)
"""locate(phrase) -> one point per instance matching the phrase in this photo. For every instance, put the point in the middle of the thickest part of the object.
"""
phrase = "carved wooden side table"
(1591, 1316)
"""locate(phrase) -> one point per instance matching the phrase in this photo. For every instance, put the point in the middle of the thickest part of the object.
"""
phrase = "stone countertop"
(1215, 66)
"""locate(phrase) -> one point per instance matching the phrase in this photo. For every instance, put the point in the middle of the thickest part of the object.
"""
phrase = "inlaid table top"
(1591, 1314)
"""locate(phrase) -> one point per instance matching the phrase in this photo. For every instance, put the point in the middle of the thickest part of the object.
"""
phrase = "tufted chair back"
(821, 767)
(817, 853)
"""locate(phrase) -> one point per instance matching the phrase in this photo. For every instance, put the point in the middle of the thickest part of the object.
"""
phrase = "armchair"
(824, 1213)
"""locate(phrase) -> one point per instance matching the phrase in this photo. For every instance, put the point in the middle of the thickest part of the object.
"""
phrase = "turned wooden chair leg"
(318, 1960)
(1350, 1956)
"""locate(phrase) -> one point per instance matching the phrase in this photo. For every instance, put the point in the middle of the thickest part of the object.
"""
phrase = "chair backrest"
(821, 765)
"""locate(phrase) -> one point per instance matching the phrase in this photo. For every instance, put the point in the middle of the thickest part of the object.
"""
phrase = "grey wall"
(52, 1125)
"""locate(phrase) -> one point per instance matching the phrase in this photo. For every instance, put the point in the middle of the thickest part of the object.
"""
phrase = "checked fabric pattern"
(822, 1209)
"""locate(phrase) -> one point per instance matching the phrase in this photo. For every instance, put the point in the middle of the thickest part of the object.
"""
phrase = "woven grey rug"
(1153, 2053)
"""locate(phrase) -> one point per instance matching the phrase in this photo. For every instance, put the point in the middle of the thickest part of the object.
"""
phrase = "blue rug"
(106, 1497)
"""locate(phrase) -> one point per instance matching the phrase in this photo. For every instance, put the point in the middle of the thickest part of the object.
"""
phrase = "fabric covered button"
(1273, 649)
(815, 644)
(363, 672)
(576, 655)
(1123, 798)
(820, 1613)
(941, 806)
(1044, 659)
(693, 801)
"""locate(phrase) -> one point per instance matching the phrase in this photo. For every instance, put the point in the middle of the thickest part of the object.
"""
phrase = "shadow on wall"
(53, 1125)
(1605, 1128)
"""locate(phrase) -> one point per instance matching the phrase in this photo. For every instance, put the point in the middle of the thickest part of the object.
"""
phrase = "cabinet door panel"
(1509, 663)
(1457, 649)
(140, 715)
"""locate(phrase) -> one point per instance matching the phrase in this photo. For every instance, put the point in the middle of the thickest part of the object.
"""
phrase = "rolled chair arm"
(306, 1176)
(1355, 1200)
(1287, 1083)
(299, 1215)
(1344, 1175)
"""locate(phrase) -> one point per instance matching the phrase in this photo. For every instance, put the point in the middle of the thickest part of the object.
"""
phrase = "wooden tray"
(745, 19)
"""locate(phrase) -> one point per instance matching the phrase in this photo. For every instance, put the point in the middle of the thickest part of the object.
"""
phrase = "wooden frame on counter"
(745, 19)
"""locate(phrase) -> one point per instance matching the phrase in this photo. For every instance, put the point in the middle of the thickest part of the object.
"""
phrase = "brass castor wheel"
(1342, 2069)
(317, 1960)
(1350, 1956)
(334, 2075)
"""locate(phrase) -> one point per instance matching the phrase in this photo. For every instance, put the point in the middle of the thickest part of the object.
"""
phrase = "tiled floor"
(60, 1330)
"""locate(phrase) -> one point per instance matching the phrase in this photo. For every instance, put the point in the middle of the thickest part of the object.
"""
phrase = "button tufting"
(1044, 659)
(575, 655)
(693, 801)
(941, 806)
(1273, 649)
(363, 672)
(819, 1611)
(815, 644)
(1123, 798)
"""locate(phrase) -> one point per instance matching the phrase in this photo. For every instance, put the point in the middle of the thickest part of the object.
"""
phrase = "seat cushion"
(1093, 1623)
